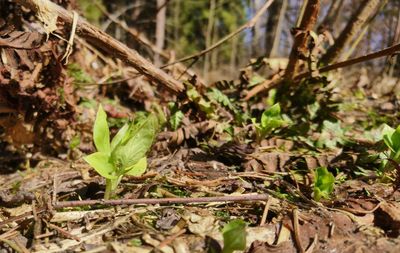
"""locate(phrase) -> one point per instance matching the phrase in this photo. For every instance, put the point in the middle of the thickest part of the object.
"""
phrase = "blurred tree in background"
(193, 25)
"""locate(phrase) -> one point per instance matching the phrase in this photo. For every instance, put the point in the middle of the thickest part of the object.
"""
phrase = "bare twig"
(62, 231)
(250, 24)
(104, 41)
(171, 238)
(297, 230)
(313, 244)
(117, 202)
(265, 212)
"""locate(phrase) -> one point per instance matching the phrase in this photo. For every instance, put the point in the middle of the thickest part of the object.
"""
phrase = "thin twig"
(170, 239)
(21, 217)
(62, 231)
(250, 24)
(116, 202)
(265, 212)
(312, 245)
(297, 230)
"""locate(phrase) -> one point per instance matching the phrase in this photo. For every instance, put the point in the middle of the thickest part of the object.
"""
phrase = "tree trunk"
(160, 29)
(365, 10)
(209, 40)
(274, 27)
(333, 13)
(256, 40)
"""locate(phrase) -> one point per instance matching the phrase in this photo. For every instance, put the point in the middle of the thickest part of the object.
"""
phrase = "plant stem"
(111, 187)
(107, 194)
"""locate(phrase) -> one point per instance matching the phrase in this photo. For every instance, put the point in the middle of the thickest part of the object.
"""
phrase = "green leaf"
(395, 139)
(218, 96)
(270, 120)
(101, 163)
(234, 234)
(137, 169)
(176, 119)
(324, 181)
(101, 133)
(135, 143)
(119, 136)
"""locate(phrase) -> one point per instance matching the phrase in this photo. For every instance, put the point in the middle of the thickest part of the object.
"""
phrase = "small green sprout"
(270, 120)
(323, 185)
(391, 138)
(125, 154)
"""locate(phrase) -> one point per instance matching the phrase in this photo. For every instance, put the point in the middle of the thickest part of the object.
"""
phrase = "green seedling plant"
(324, 182)
(125, 154)
(391, 138)
(271, 119)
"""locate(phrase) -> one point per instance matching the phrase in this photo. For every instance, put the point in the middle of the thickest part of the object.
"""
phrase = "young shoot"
(125, 154)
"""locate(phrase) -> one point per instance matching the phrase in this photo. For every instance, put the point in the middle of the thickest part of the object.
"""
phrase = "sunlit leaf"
(137, 169)
(176, 119)
(119, 136)
(135, 144)
(100, 162)
(234, 234)
(101, 133)
(324, 181)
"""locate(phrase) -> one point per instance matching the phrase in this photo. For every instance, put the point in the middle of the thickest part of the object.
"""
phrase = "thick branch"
(301, 37)
(104, 41)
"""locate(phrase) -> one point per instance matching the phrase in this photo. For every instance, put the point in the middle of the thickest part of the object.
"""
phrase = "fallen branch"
(265, 86)
(104, 41)
(250, 24)
(116, 202)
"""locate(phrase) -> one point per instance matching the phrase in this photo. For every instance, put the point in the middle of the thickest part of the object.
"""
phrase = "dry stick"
(62, 231)
(274, 83)
(250, 24)
(296, 229)
(170, 239)
(301, 36)
(104, 41)
(265, 212)
(387, 51)
(161, 201)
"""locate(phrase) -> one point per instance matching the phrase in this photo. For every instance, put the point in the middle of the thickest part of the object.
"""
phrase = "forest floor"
(307, 167)
(360, 215)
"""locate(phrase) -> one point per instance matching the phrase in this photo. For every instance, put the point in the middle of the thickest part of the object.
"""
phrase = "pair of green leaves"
(126, 153)
(271, 119)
